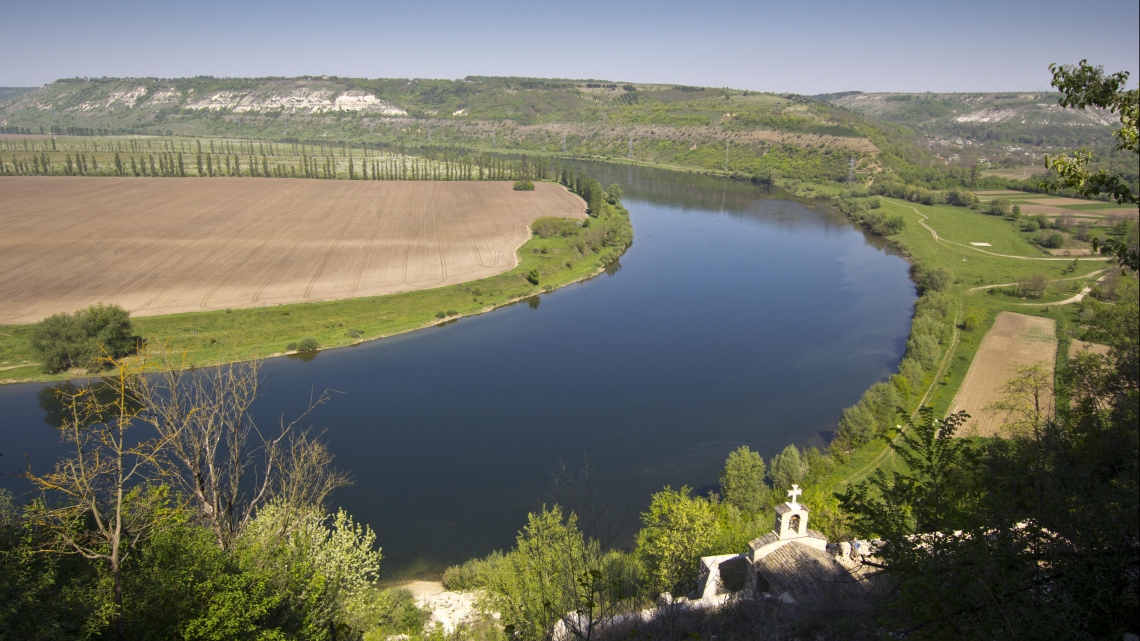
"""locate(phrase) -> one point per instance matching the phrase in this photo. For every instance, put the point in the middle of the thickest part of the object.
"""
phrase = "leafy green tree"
(786, 468)
(742, 480)
(1082, 86)
(677, 530)
(85, 338)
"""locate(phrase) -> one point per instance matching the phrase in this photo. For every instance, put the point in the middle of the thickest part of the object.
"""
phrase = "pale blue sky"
(805, 47)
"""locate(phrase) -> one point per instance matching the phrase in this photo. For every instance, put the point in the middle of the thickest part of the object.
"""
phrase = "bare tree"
(225, 464)
(96, 502)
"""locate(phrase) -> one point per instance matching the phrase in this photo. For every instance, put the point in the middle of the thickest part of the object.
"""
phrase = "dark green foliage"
(354, 333)
(523, 185)
(308, 344)
(532, 276)
(547, 226)
(84, 339)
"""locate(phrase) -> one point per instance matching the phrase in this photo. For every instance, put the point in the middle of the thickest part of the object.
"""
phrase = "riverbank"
(547, 261)
(938, 237)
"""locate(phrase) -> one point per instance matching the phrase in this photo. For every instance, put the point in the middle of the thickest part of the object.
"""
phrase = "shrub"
(532, 276)
(548, 226)
(524, 185)
(1031, 225)
(452, 312)
(613, 193)
(308, 344)
(971, 322)
(354, 333)
(999, 206)
(84, 338)
(441, 314)
(1054, 240)
(938, 279)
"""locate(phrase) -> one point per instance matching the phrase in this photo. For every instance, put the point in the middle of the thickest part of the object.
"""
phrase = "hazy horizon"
(884, 46)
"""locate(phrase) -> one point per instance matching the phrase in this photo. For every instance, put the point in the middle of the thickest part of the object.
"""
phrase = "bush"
(524, 185)
(1054, 240)
(971, 322)
(999, 207)
(441, 314)
(532, 276)
(548, 226)
(354, 333)
(938, 279)
(308, 344)
(1031, 225)
(291, 347)
(83, 339)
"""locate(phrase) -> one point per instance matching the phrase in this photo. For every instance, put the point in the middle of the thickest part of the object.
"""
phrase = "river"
(740, 316)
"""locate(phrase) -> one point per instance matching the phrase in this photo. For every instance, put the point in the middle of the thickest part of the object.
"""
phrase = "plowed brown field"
(1015, 340)
(169, 245)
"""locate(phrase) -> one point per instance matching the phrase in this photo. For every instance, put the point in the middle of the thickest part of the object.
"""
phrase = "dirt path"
(1058, 280)
(980, 250)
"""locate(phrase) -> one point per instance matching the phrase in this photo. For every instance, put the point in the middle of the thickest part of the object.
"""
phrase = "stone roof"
(760, 542)
(784, 508)
(807, 574)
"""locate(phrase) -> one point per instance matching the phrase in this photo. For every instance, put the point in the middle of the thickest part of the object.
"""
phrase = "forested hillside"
(754, 135)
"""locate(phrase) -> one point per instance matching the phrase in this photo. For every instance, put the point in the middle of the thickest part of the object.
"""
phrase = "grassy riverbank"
(974, 269)
(552, 259)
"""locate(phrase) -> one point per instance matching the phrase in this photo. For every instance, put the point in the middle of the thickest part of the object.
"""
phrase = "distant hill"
(1007, 117)
(8, 93)
(765, 134)
(793, 136)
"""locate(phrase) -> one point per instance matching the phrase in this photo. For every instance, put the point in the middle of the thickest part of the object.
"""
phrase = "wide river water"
(739, 317)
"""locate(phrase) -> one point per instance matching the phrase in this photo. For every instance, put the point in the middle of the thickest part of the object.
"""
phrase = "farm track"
(172, 245)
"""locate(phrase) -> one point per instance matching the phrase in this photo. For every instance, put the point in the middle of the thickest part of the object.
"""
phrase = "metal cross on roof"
(794, 494)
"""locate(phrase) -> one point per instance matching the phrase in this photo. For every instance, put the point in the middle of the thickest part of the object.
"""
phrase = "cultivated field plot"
(169, 245)
(1015, 340)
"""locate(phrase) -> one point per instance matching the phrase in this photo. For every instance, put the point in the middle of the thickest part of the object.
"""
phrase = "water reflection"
(739, 316)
